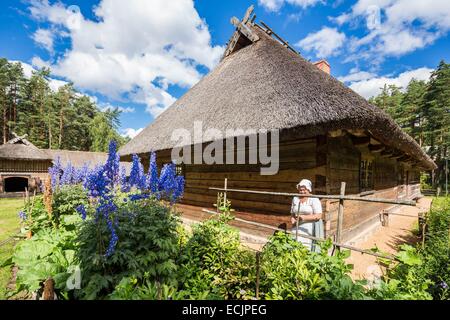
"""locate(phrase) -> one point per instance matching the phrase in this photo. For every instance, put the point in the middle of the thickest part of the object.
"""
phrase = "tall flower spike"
(167, 183)
(112, 164)
(152, 178)
(55, 173)
(124, 185)
(66, 178)
(136, 173)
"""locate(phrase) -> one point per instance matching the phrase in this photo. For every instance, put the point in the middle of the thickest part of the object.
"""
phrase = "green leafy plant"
(214, 261)
(148, 247)
(65, 201)
(223, 205)
(290, 271)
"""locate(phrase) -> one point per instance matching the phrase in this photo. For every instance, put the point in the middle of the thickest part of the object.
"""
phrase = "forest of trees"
(423, 111)
(64, 119)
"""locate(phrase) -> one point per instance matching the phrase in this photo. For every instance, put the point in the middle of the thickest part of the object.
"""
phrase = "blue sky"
(141, 55)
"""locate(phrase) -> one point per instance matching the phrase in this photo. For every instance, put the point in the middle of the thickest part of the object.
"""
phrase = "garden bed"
(100, 235)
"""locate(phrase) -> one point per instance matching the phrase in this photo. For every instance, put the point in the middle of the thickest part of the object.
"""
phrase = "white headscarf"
(305, 183)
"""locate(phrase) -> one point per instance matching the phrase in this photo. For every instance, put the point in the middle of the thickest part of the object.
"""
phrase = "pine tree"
(437, 114)
(410, 110)
(64, 119)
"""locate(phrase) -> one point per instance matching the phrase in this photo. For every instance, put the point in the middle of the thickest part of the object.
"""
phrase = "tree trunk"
(5, 136)
(61, 126)
(49, 133)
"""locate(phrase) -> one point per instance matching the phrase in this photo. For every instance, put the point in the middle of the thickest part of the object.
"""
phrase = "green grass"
(9, 225)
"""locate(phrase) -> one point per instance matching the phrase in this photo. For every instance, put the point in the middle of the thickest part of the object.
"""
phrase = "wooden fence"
(337, 243)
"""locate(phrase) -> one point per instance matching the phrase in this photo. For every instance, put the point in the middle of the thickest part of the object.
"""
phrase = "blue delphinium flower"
(167, 183)
(22, 215)
(81, 174)
(97, 184)
(55, 172)
(179, 187)
(443, 285)
(82, 210)
(137, 172)
(113, 241)
(152, 177)
(112, 164)
(124, 185)
(100, 184)
(66, 178)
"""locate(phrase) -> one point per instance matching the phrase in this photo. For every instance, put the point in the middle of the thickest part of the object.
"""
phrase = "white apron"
(311, 206)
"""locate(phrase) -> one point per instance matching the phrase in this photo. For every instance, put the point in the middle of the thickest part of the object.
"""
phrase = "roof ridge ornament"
(243, 36)
(16, 138)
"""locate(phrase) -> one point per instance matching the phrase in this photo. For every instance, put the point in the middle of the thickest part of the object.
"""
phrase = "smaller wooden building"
(22, 165)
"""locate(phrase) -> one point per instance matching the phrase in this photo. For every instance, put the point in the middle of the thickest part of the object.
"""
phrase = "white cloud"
(28, 70)
(130, 132)
(372, 86)
(357, 76)
(134, 50)
(44, 38)
(275, 5)
(324, 43)
(395, 28)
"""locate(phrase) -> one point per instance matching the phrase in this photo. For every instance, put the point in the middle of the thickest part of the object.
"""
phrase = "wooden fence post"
(340, 219)
(384, 218)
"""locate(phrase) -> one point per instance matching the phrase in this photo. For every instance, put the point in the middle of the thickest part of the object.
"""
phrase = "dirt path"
(387, 239)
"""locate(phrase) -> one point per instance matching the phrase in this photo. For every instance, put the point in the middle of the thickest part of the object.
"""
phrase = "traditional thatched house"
(327, 132)
(22, 165)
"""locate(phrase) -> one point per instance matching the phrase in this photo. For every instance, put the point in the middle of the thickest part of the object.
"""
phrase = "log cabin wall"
(367, 174)
(35, 171)
(326, 161)
(298, 159)
(24, 165)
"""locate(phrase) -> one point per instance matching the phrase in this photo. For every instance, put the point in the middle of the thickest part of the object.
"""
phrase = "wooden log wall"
(24, 165)
(389, 181)
(343, 165)
(299, 159)
(326, 161)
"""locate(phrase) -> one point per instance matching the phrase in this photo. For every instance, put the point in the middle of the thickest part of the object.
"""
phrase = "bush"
(290, 271)
(147, 249)
(66, 200)
(214, 261)
(423, 273)
(50, 253)
(436, 253)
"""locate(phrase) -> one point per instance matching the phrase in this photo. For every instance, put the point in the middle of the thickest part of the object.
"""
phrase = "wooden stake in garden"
(49, 289)
(340, 219)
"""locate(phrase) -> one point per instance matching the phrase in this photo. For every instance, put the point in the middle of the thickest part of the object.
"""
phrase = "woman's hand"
(293, 220)
(311, 217)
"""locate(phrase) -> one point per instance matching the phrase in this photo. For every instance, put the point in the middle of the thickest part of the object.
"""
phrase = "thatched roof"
(19, 148)
(78, 158)
(266, 86)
